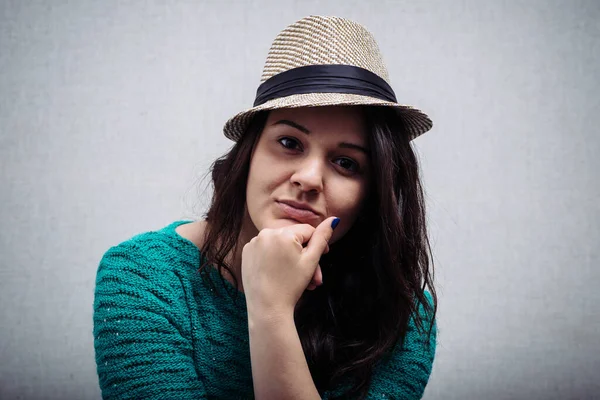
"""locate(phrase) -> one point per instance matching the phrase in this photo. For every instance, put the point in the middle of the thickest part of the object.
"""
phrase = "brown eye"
(348, 164)
(290, 142)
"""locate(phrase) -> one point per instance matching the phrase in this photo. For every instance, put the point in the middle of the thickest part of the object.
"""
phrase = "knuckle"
(263, 234)
(245, 249)
(288, 235)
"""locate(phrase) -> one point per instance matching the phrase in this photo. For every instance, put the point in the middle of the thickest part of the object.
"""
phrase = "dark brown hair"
(381, 264)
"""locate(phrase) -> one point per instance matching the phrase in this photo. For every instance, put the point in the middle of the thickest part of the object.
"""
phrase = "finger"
(317, 278)
(319, 240)
(301, 232)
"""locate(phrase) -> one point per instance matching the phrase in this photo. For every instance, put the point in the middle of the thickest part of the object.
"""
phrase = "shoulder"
(192, 232)
(420, 340)
(148, 240)
(146, 275)
(422, 326)
(142, 312)
(425, 310)
(148, 256)
(160, 245)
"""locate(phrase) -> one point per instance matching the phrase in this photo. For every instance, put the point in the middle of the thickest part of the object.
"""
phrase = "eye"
(348, 164)
(283, 140)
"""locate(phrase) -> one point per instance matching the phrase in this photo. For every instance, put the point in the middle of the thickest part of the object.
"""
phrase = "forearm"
(279, 367)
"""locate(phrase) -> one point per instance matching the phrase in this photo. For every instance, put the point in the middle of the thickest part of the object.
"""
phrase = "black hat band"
(324, 79)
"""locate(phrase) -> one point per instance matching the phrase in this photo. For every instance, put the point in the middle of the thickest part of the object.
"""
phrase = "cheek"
(347, 209)
(264, 177)
(345, 201)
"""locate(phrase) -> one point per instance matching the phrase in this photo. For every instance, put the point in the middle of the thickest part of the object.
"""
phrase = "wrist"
(261, 317)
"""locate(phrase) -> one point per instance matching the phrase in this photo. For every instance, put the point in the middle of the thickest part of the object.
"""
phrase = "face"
(314, 158)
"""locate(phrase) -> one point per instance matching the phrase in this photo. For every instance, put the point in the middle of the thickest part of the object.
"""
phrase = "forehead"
(333, 120)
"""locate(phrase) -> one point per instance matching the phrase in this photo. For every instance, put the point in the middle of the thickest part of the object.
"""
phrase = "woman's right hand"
(278, 265)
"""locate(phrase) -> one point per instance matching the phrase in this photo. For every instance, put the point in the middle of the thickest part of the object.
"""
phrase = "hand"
(277, 268)
(317, 279)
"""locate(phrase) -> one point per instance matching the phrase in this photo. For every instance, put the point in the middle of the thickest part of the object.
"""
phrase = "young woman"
(310, 275)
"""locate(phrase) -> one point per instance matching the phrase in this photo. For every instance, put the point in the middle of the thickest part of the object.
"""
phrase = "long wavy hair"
(375, 277)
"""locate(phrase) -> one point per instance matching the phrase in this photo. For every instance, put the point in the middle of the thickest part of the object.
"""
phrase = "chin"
(281, 223)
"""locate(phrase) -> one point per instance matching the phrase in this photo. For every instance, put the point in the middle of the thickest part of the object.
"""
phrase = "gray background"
(110, 113)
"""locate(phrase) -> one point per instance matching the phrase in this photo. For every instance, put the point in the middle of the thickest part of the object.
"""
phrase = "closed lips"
(299, 205)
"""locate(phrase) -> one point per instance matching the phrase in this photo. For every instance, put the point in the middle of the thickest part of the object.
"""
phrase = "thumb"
(318, 243)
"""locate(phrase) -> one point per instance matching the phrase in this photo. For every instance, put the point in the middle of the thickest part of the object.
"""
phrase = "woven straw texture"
(318, 40)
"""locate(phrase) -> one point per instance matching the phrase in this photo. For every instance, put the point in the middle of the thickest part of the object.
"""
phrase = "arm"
(279, 367)
(143, 350)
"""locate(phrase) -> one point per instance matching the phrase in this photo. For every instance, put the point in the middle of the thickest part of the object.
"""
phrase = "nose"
(309, 175)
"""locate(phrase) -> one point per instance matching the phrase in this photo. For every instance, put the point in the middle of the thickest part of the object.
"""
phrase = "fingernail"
(335, 223)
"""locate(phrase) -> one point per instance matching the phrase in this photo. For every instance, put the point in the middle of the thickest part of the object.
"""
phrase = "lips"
(295, 204)
(293, 210)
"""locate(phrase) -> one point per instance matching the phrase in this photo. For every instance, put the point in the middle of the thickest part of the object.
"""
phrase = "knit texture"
(161, 331)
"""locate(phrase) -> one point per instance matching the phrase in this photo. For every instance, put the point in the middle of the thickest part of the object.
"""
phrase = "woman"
(308, 277)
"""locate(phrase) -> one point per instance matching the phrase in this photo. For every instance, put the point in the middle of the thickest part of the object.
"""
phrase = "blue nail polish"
(335, 223)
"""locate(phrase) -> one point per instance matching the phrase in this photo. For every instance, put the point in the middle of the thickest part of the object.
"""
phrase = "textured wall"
(111, 112)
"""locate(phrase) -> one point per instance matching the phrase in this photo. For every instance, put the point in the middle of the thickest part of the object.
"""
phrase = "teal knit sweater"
(161, 332)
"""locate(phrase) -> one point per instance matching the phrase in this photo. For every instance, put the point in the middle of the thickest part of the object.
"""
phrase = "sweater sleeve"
(142, 328)
(405, 373)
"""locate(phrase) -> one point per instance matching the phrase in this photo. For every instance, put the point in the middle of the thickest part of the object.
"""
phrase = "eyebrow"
(305, 130)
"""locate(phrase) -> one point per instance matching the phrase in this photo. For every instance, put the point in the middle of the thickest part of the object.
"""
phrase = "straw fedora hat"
(322, 61)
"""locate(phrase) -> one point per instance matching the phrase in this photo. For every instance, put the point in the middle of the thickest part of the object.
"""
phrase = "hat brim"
(416, 121)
